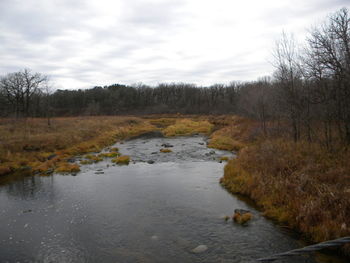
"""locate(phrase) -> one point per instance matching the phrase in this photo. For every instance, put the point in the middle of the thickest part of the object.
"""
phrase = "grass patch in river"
(109, 155)
(93, 158)
(122, 160)
(114, 149)
(67, 168)
(165, 150)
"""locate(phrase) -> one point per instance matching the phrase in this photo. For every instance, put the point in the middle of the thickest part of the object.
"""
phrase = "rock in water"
(154, 237)
(167, 145)
(200, 249)
(242, 216)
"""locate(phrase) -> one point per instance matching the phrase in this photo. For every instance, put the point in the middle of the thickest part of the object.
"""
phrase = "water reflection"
(25, 187)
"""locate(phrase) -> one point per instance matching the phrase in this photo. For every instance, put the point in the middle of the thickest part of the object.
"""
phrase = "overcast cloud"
(80, 44)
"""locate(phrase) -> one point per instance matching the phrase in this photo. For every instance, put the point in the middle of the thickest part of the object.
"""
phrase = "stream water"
(143, 212)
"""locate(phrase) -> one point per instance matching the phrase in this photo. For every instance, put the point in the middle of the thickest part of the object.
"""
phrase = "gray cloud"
(82, 43)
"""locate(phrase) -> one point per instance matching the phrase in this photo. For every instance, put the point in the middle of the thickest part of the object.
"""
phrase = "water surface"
(138, 213)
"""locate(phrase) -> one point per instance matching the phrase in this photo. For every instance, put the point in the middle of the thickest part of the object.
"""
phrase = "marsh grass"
(122, 160)
(165, 150)
(163, 122)
(235, 133)
(242, 219)
(31, 142)
(224, 158)
(301, 185)
(94, 158)
(65, 167)
(186, 127)
(109, 155)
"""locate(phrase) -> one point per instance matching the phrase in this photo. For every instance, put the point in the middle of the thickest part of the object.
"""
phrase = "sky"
(86, 43)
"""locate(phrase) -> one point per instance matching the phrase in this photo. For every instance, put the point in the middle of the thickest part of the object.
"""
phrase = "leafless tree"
(329, 53)
(19, 88)
(288, 74)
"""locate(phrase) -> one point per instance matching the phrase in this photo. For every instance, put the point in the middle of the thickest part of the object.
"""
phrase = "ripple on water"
(143, 212)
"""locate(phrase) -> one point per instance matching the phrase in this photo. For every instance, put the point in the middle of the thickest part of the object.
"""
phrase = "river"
(143, 212)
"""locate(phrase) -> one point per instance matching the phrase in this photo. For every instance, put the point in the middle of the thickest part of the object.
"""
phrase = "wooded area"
(308, 92)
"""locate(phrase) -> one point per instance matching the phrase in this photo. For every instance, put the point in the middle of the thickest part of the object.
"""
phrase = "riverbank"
(32, 146)
(300, 185)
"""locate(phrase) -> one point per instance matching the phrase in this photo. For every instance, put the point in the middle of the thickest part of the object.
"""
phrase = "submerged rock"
(167, 145)
(200, 249)
(150, 161)
(154, 237)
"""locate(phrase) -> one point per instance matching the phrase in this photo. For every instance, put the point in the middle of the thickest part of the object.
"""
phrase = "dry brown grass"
(163, 122)
(165, 150)
(224, 158)
(34, 144)
(185, 127)
(236, 132)
(300, 184)
(94, 158)
(122, 160)
(242, 218)
(67, 168)
(109, 155)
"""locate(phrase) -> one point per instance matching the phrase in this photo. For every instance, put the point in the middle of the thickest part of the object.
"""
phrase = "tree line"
(308, 92)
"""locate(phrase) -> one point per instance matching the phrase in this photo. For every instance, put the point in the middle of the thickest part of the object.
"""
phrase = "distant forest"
(308, 87)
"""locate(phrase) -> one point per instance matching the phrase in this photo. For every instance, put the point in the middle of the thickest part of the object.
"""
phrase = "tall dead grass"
(300, 184)
(34, 144)
(184, 127)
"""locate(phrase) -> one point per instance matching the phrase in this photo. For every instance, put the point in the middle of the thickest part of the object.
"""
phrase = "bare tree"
(288, 74)
(329, 51)
(19, 88)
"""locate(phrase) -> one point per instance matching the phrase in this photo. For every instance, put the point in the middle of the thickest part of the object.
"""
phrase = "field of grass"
(186, 127)
(34, 145)
(234, 134)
